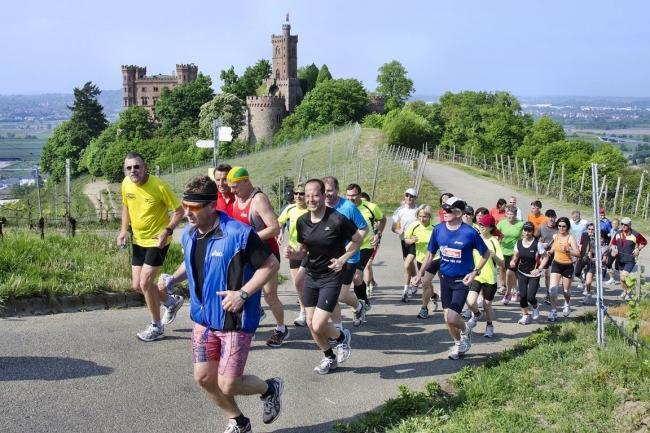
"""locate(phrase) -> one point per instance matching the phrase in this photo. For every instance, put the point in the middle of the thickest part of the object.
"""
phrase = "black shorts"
(407, 249)
(322, 291)
(506, 262)
(453, 293)
(348, 273)
(564, 269)
(295, 264)
(625, 267)
(365, 258)
(489, 290)
(434, 267)
(152, 256)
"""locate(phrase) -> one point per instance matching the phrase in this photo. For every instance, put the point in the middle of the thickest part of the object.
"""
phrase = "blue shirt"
(605, 225)
(350, 211)
(456, 249)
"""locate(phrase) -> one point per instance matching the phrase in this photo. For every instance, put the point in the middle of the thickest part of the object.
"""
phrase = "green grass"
(59, 265)
(555, 380)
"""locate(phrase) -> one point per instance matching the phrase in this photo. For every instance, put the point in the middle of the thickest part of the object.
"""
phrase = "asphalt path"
(87, 372)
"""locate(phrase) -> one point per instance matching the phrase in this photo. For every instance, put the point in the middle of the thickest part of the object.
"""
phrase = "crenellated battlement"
(265, 102)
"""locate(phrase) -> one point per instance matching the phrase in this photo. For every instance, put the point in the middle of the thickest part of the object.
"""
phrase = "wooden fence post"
(517, 169)
(645, 206)
(562, 184)
(582, 184)
(535, 178)
(496, 158)
(525, 175)
(622, 200)
(638, 196)
(509, 170)
(618, 185)
(550, 177)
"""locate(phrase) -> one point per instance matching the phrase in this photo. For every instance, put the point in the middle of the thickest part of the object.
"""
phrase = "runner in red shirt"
(225, 197)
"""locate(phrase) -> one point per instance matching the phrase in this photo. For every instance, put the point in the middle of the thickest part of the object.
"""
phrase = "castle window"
(154, 100)
(144, 89)
(126, 102)
(155, 89)
(145, 100)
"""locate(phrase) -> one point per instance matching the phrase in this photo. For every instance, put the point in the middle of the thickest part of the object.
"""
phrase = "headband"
(198, 197)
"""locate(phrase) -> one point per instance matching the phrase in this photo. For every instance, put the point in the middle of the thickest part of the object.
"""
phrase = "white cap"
(411, 191)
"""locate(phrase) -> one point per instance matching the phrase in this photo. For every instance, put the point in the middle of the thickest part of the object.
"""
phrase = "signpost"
(220, 133)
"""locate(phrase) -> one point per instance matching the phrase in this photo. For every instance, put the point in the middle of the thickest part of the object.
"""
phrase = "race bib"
(452, 253)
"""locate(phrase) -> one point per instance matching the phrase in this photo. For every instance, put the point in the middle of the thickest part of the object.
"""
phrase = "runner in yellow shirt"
(146, 202)
(418, 234)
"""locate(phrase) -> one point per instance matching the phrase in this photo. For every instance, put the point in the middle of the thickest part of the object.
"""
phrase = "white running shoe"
(580, 286)
(505, 300)
(152, 333)
(301, 320)
(326, 365)
(170, 313)
(536, 313)
(471, 323)
(610, 282)
(489, 331)
(566, 310)
(525, 319)
(454, 353)
(552, 316)
(465, 342)
(343, 349)
(466, 313)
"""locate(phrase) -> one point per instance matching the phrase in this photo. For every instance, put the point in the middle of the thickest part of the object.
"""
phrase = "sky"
(530, 48)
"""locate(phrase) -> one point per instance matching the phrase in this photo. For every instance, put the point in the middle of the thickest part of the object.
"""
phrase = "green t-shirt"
(371, 213)
(291, 213)
(423, 234)
(511, 234)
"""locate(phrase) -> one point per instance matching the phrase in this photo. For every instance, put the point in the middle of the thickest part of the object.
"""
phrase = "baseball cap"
(411, 191)
(601, 211)
(626, 221)
(487, 220)
(469, 210)
(454, 203)
(528, 227)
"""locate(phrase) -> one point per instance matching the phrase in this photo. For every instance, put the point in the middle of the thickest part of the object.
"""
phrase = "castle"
(263, 115)
(139, 89)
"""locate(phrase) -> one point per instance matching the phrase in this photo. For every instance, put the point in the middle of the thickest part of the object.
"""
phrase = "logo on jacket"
(217, 254)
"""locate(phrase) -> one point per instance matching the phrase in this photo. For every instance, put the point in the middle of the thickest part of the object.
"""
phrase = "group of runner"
(232, 254)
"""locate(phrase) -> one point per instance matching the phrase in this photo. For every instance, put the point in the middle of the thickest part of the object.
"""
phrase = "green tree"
(543, 132)
(178, 110)
(68, 141)
(394, 84)
(225, 105)
(323, 74)
(373, 120)
(330, 103)
(409, 129)
(86, 110)
(308, 75)
(248, 83)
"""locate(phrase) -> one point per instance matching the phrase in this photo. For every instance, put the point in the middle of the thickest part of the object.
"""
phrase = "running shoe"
(489, 331)
(471, 323)
(585, 292)
(536, 313)
(466, 313)
(465, 341)
(370, 288)
(610, 282)
(326, 365)
(552, 316)
(343, 349)
(170, 313)
(515, 297)
(152, 333)
(405, 295)
(580, 286)
(547, 299)
(454, 353)
(423, 314)
(277, 337)
(368, 308)
(525, 319)
(434, 299)
(301, 320)
(505, 300)
(234, 428)
(413, 290)
(262, 314)
(360, 314)
(272, 405)
(566, 310)
(586, 299)
(501, 290)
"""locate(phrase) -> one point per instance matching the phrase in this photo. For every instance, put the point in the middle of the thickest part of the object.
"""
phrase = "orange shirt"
(497, 215)
(537, 221)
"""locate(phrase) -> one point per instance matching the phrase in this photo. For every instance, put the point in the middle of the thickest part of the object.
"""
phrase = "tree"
(407, 128)
(178, 110)
(323, 75)
(308, 75)
(373, 120)
(86, 110)
(225, 105)
(68, 141)
(247, 84)
(394, 84)
(543, 132)
(330, 103)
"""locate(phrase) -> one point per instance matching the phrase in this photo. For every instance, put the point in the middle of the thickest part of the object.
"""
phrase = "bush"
(373, 120)
(408, 129)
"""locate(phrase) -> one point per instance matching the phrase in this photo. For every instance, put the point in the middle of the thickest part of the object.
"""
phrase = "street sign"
(205, 144)
(225, 133)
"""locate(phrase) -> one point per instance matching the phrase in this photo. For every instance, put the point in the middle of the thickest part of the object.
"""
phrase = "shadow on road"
(48, 368)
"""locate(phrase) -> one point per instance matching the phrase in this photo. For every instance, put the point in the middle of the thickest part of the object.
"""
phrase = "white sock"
(406, 287)
(281, 328)
(157, 323)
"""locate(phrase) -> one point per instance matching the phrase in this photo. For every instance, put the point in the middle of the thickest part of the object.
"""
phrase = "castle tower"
(130, 75)
(285, 54)
(186, 73)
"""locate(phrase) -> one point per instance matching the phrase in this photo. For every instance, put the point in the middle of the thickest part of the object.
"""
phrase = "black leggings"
(527, 290)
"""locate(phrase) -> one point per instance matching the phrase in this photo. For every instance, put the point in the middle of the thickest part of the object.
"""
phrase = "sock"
(406, 287)
(170, 301)
(241, 420)
(360, 291)
(157, 323)
(340, 338)
(329, 353)
(281, 328)
(359, 306)
(270, 388)
(339, 326)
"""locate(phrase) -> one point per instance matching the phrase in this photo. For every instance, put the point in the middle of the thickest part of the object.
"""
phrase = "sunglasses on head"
(194, 207)
(132, 167)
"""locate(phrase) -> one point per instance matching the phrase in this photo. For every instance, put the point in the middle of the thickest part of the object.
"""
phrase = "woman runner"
(529, 258)
(564, 247)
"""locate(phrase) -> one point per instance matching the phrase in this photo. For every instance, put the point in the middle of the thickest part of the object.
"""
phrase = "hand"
(375, 240)
(336, 265)
(280, 238)
(469, 278)
(414, 239)
(535, 272)
(165, 282)
(288, 251)
(513, 264)
(416, 280)
(162, 239)
(635, 252)
(121, 239)
(231, 302)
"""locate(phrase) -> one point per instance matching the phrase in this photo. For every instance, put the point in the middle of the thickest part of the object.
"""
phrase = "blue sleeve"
(358, 219)
(479, 243)
(433, 242)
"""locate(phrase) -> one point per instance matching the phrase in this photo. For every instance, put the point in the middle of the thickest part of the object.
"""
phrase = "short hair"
(320, 183)
(512, 196)
(447, 194)
(135, 155)
(201, 185)
(501, 202)
(550, 213)
(536, 203)
(511, 209)
(424, 208)
(564, 220)
(575, 211)
(616, 219)
(355, 187)
(365, 196)
(331, 180)
(482, 211)
(223, 168)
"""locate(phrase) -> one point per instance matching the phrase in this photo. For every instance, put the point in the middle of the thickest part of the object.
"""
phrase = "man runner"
(146, 201)
(225, 264)
(225, 197)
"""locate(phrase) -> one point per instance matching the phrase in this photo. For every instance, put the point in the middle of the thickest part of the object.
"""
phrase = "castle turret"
(186, 72)
(130, 75)
(264, 116)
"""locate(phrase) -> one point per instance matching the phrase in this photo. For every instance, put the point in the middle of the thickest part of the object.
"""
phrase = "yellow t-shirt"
(371, 213)
(149, 207)
(291, 213)
(488, 273)
(423, 234)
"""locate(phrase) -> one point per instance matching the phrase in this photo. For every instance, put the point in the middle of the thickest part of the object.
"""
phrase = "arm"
(470, 277)
(177, 216)
(417, 279)
(121, 237)
(381, 225)
(297, 253)
(263, 208)
(515, 258)
(167, 281)
(350, 249)
(232, 300)
(573, 249)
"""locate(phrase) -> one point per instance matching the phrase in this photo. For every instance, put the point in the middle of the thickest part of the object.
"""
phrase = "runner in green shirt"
(511, 228)
(376, 219)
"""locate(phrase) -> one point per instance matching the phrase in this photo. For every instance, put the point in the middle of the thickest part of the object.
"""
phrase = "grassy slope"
(556, 380)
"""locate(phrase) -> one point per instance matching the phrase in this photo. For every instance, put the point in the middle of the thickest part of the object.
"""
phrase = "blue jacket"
(225, 269)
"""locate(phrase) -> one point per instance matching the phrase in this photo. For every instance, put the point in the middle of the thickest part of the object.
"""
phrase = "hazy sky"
(528, 47)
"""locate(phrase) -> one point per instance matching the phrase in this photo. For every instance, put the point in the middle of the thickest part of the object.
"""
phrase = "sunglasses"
(623, 224)
(409, 196)
(302, 194)
(132, 167)
(194, 207)
(448, 210)
(561, 226)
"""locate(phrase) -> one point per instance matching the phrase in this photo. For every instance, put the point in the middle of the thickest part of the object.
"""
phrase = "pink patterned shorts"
(229, 348)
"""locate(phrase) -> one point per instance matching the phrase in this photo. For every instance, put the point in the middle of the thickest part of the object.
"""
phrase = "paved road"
(86, 372)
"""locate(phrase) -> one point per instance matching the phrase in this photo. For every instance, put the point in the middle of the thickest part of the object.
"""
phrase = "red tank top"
(244, 216)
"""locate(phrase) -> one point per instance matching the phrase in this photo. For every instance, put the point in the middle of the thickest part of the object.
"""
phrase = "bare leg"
(295, 277)
(489, 311)
(148, 277)
(455, 323)
(321, 329)
(272, 300)
(472, 296)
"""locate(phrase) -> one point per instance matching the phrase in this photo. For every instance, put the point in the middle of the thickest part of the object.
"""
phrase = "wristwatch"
(243, 295)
